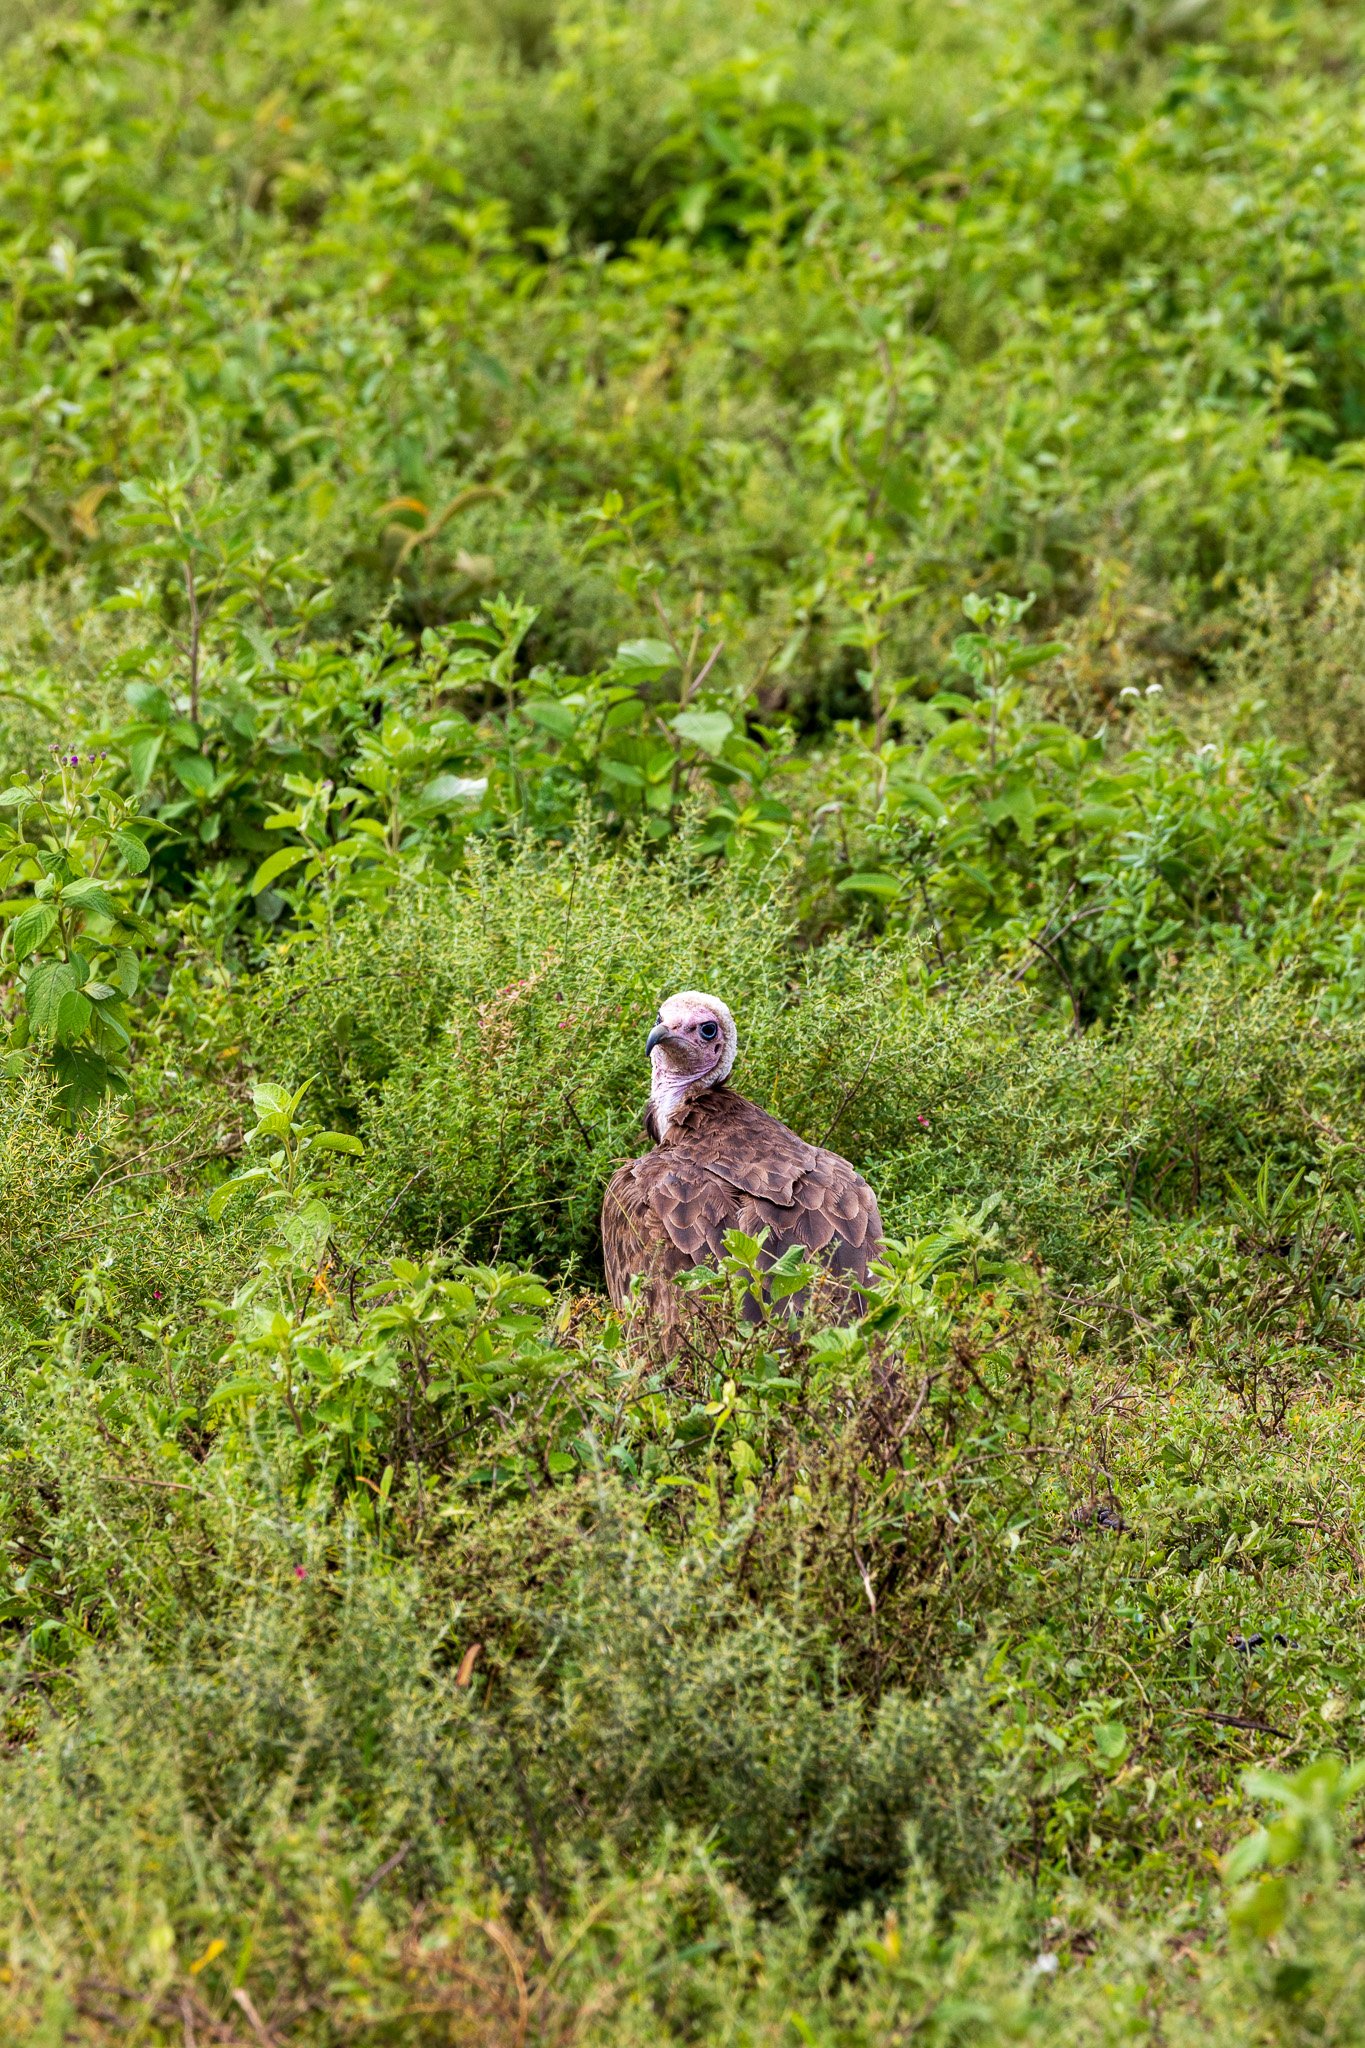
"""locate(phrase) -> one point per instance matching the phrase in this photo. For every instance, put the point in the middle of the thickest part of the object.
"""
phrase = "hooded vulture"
(720, 1163)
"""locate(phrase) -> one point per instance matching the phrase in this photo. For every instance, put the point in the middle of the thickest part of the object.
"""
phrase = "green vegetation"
(510, 509)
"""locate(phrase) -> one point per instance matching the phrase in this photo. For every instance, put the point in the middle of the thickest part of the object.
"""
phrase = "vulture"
(721, 1163)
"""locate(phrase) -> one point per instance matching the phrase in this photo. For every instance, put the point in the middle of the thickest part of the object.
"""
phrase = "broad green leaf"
(553, 717)
(132, 852)
(642, 660)
(127, 963)
(624, 772)
(1019, 804)
(338, 1141)
(43, 993)
(874, 883)
(32, 927)
(1060, 1779)
(150, 702)
(243, 1388)
(277, 864)
(1246, 1856)
(89, 896)
(85, 1077)
(1258, 1909)
(193, 773)
(108, 1031)
(922, 797)
(708, 730)
(220, 1197)
(1111, 1740)
(446, 790)
(73, 1016)
(143, 750)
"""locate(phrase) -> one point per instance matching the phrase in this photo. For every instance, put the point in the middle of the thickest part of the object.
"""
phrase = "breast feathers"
(724, 1164)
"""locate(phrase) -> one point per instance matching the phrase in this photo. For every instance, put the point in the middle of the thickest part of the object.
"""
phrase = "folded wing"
(730, 1166)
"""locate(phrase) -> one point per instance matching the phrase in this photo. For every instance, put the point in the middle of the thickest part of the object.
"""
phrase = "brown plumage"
(720, 1163)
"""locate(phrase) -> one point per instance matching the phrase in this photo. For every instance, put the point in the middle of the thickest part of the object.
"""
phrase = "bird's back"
(725, 1164)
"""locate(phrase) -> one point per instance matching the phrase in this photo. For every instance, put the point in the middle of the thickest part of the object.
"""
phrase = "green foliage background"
(508, 510)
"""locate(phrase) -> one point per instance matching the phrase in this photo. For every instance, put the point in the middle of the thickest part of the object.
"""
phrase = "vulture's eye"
(708, 1029)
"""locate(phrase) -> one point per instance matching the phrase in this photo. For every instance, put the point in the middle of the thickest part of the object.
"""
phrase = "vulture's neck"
(666, 1099)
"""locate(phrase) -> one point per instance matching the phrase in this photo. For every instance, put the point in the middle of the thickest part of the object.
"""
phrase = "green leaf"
(242, 1389)
(1292, 1979)
(554, 718)
(220, 1197)
(43, 993)
(708, 730)
(643, 660)
(143, 750)
(1246, 1856)
(193, 773)
(444, 791)
(1018, 803)
(338, 1141)
(84, 1078)
(1111, 1740)
(277, 864)
(887, 887)
(149, 701)
(1023, 658)
(1259, 1909)
(98, 991)
(922, 797)
(89, 896)
(31, 927)
(73, 1016)
(127, 968)
(623, 772)
(1060, 1779)
(132, 852)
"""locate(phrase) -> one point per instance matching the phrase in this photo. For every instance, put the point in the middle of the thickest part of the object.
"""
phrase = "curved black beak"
(656, 1037)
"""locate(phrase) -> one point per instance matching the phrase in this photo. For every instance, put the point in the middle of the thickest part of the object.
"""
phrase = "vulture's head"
(693, 1040)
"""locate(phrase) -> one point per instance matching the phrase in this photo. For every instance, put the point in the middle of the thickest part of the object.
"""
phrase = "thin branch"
(193, 597)
(1236, 1721)
(355, 1269)
(386, 1869)
(573, 1112)
(849, 1094)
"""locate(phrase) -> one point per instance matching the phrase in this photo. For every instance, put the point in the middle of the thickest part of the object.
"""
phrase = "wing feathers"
(726, 1165)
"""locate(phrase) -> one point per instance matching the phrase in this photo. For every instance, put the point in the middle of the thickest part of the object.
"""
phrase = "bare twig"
(161, 1485)
(849, 1094)
(712, 658)
(573, 1112)
(355, 1269)
(242, 1997)
(386, 1869)
(193, 596)
(1236, 1721)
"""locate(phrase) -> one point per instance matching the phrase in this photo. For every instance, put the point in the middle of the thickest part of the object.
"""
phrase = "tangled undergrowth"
(511, 510)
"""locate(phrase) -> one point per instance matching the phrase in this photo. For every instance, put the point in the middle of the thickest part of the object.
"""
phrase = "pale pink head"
(693, 1044)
